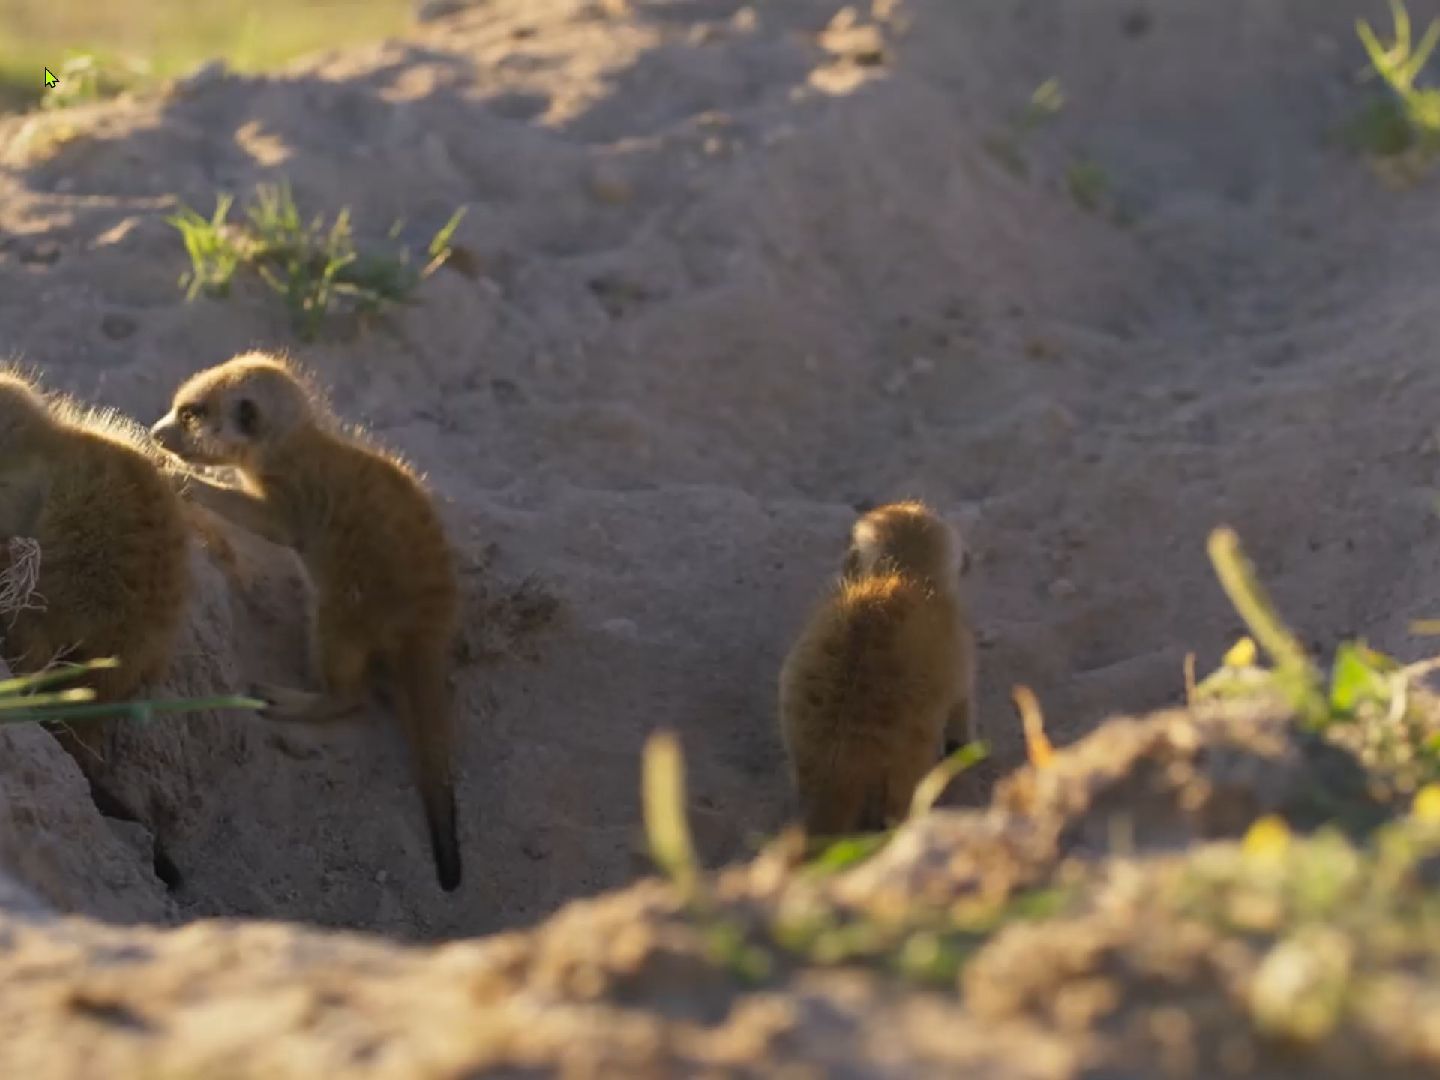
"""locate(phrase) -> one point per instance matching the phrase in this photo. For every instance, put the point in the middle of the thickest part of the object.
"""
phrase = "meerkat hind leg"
(344, 668)
(294, 706)
(959, 727)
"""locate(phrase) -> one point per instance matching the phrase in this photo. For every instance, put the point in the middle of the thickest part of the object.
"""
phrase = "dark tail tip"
(445, 846)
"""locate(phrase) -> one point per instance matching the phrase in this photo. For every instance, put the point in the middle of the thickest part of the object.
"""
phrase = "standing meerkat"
(369, 536)
(882, 678)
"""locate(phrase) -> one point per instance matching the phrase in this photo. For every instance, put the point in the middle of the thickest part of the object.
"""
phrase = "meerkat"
(366, 530)
(114, 576)
(113, 573)
(882, 679)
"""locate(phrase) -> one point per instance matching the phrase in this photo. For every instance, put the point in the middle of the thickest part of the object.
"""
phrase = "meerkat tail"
(423, 711)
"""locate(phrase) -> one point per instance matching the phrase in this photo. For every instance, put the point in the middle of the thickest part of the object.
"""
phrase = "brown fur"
(883, 675)
(114, 571)
(367, 532)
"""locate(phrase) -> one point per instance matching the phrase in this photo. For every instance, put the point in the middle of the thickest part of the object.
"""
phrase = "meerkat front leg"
(248, 511)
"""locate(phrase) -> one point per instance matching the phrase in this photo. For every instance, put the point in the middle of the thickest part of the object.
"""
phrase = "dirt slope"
(735, 275)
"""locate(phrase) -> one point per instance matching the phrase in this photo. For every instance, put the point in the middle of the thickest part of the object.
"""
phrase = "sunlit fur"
(368, 533)
(882, 674)
(114, 572)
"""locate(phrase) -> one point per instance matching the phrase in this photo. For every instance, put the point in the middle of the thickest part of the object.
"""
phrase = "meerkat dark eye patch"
(247, 416)
(188, 414)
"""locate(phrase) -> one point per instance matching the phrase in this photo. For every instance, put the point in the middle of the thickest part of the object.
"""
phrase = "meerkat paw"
(285, 703)
(288, 705)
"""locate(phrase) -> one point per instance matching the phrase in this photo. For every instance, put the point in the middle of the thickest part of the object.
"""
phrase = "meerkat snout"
(166, 432)
(231, 414)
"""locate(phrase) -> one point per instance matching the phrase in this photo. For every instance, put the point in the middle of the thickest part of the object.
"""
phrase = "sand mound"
(1147, 960)
(734, 269)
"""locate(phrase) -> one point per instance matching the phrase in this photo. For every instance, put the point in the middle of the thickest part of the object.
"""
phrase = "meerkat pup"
(368, 534)
(882, 679)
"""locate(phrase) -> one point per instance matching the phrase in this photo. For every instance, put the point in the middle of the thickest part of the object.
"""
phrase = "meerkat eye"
(247, 416)
(188, 414)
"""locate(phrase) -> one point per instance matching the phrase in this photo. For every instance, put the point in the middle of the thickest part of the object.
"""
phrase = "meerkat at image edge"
(369, 536)
(114, 572)
(881, 681)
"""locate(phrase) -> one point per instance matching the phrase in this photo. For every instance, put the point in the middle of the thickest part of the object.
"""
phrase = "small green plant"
(85, 77)
(1006, 146)
(28, 699)
(214, 253)
(1087, 182)
(1408, 123)
(938, 779)
(313, 266)
(847, 852)
(1323, 908)
(1045, 104)
(924, 944)
(1371, 704)
(1088, 185)
(667, 827)
(1294, 675)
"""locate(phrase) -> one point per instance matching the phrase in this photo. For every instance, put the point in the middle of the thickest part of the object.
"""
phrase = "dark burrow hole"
(112, 806)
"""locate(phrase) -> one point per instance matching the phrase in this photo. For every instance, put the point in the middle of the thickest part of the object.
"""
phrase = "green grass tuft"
(938, 779)
(313, 266)
(1088, 185)
(1370, 704)
(1407, 125)
(666, 824)
(29, 699)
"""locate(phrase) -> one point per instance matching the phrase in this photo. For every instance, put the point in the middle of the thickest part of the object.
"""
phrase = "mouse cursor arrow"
(50, 80)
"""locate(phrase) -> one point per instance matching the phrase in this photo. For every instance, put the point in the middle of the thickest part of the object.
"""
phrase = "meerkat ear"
(247, 416)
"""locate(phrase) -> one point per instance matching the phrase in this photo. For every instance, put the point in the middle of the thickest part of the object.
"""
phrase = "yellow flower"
(1267, 839)
(1426, 807)
(1241, 654)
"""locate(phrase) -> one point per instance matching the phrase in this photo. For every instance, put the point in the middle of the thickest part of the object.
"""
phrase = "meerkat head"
(24, 413)
(237, 413)
(907, 538)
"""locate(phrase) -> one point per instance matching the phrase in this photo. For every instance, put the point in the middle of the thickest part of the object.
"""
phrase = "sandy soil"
(737, 273)
(1148, 964)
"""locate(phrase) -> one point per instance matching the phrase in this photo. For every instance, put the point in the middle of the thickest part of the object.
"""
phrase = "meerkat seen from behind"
(371, 540)
(882, 679)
